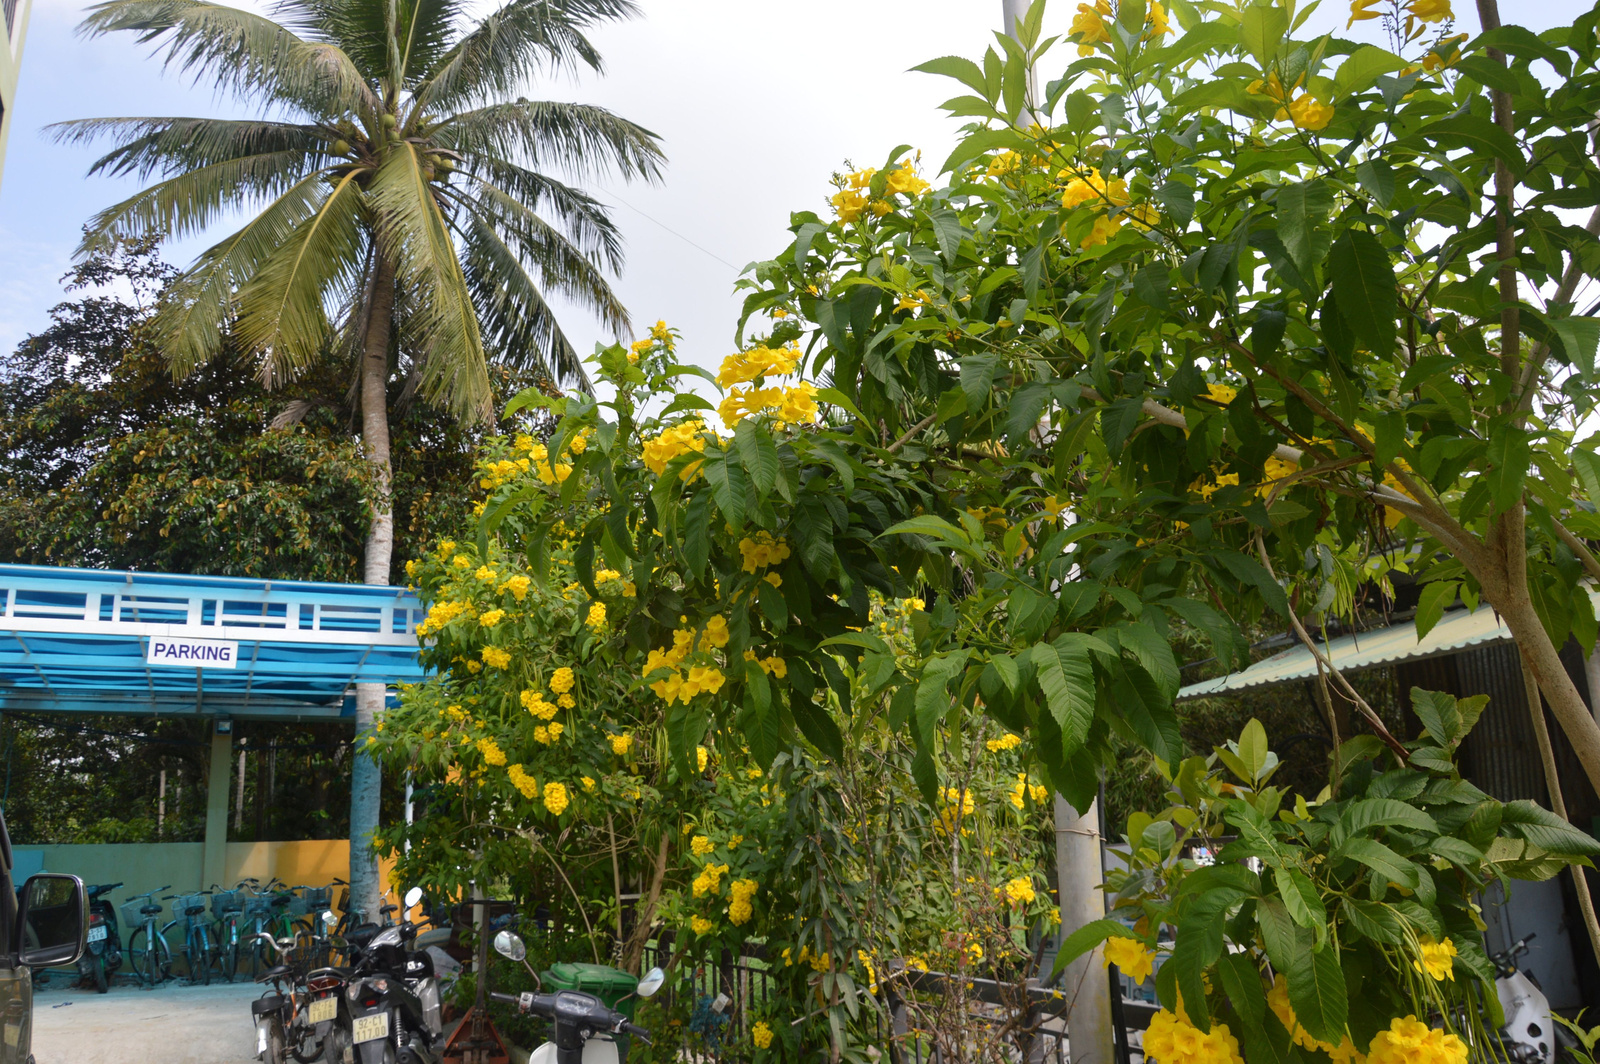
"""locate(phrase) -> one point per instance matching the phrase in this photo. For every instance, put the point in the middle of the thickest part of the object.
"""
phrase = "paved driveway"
(168, 1025)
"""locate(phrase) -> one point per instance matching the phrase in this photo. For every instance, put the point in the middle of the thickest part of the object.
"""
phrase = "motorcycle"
(104, 953)
(585, 1030)
(295, 1017)
(1530, 1035)
(391, 1012)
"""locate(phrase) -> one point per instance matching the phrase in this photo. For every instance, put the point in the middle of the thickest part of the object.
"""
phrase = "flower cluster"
(1410, 1041)
(709, 881)
(1437, 959)
(1008, 741)
(683, 684)
(1089, 25)
(441, 614)
(523, 782)
(761, 1035)
(555, 798)
(1171, 1040)
(620, 744)
(1111, 195)
(1133, 958)
(491, 751)
(496, 657)
(855, 191)
(773, 666)
(700, 925)
(680, 439)
(1020, 890)
(701, 845)
(1305, 110)
(1025, 788)
(760, 361)
(740, 908)
(762, 550)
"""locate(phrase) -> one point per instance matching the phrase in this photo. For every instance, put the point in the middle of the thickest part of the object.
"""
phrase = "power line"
(674, 232)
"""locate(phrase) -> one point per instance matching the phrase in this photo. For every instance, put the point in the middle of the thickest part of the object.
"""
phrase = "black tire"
(277, 1050)
(97, 965)
(200, 959)
(228, 950)
(146, 964)
(307, 1047)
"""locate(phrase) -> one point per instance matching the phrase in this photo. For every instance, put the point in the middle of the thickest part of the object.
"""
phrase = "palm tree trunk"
(366, 777)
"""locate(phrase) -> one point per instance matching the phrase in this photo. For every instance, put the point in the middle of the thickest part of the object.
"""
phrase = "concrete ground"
(170, 1024)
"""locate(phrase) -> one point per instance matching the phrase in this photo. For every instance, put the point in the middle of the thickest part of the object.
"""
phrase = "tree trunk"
(366, 778)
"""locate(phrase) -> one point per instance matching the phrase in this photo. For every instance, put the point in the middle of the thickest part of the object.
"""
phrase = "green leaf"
(835, 397)
(1317, 991)
(1363, 67)
(1252, 573)
(1253, 749)
(1153, 653)
(1301, 899)
(1301, 208)
(1472, 132)
(1277, 931)
(1217, 628)
(1579, 337)
(1261, 30)
(1241, 983)
(954, 66)
(1066, 677)
(948, 232)
(1374, 920)
(1365, 288)
(1085, 939)
(727, 486)
(1377, 177)
(1432, 602)
(1545, 830)
(1437, 712)
(1369, 813)
(1507, 475)
(817, 725)
(1381, 859)
(758, 453)
(1587, 463)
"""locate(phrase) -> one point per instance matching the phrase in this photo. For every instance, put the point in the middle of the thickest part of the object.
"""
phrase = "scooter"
(1530, 1035)
(586, 1031)
(392, 1011)
(104, 955)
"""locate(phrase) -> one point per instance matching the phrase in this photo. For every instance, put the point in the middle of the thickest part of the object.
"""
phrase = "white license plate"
(97, 934)
(370, 1028)
(322, 1010)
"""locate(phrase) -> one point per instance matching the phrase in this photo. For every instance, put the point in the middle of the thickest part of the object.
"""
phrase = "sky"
(757, 102)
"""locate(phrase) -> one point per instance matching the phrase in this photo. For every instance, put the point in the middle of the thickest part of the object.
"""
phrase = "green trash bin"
(608, 984)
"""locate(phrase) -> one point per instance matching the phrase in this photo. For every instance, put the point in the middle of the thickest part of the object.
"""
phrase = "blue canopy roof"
(81, 639)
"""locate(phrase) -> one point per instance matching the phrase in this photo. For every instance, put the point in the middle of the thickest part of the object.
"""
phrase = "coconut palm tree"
(403, 209)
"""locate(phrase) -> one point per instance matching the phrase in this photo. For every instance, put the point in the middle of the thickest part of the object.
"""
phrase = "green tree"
(404, 189)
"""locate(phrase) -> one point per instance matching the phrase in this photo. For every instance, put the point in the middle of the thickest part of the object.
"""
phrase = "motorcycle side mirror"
(510, 945)
(413, 896)
(651, 982)
(328, 919)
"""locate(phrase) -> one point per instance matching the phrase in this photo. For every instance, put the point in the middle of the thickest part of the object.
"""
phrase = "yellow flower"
(1008, 741)
(588, 784)
(1004, 163)
(1132, 957)
(491, 751)
(1088, 186)
(1430, 10)
(701, 754)
(716, 633)
(1361, 11)
(1020, 890)
(758, 362)
(492, 618)
(1437, 958)
(597, 616)
(1157, 19)
(555, 798)
(775, 579)
(904, 180)
(701, 845)
(523, 782)
(799, 404)
(1172, 1040)
(496, 657)
(1309, 114)
(518, 586)
(1089, 26)
(1105, 227)
(740, 908)
(700, 925)
(680, 439)
(620, 744)
(566, 701)
(1410, 1041)
(762, 550)
(561, 680)
(761, 1035)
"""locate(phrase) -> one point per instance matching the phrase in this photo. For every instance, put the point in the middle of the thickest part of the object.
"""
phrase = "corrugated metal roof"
(1457, 630)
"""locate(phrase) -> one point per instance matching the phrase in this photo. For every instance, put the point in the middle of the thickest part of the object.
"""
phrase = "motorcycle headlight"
(381, 985)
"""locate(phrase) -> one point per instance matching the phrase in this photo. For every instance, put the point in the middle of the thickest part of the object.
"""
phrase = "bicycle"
(147, 946)
(190, 910)
(227, 906)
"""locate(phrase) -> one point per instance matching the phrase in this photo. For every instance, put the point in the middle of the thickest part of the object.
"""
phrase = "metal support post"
(1079, 873)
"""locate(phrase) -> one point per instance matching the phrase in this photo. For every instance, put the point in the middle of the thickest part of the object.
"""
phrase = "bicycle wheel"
(228, 949)
(199, 961)
(304, 1045)
(144, 955)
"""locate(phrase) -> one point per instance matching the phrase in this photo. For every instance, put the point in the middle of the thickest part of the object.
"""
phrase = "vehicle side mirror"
(413, 898)
(510, 945)
(651, 982)
(52, 921)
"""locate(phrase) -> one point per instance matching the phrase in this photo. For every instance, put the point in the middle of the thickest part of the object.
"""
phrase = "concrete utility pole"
(1079, 873)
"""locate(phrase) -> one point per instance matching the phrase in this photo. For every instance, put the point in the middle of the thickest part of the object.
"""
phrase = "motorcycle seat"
(362, 935)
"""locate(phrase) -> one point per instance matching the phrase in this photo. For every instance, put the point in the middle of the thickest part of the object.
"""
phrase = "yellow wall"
(147, 866)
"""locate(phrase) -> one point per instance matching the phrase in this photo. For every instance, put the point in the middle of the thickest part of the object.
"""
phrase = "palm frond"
(199, 304)
(412, 230)
(578, 139)
(560, 266)
(580, 217)
(519, 324)
(521, 39)
(242, 53)
(184, 205)
(282, 306)
(168, 146)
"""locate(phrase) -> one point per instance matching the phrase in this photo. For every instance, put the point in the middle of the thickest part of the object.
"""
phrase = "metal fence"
(1018, 1022)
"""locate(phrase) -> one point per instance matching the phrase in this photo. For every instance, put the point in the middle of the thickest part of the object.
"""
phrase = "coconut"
(388, 121)
(341, 147)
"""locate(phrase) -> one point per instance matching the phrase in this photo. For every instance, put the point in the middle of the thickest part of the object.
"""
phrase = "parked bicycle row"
(217, 933)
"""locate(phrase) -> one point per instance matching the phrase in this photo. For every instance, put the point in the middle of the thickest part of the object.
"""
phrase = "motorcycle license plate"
(369, 1028)
(97, 934)
(322, 1010)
